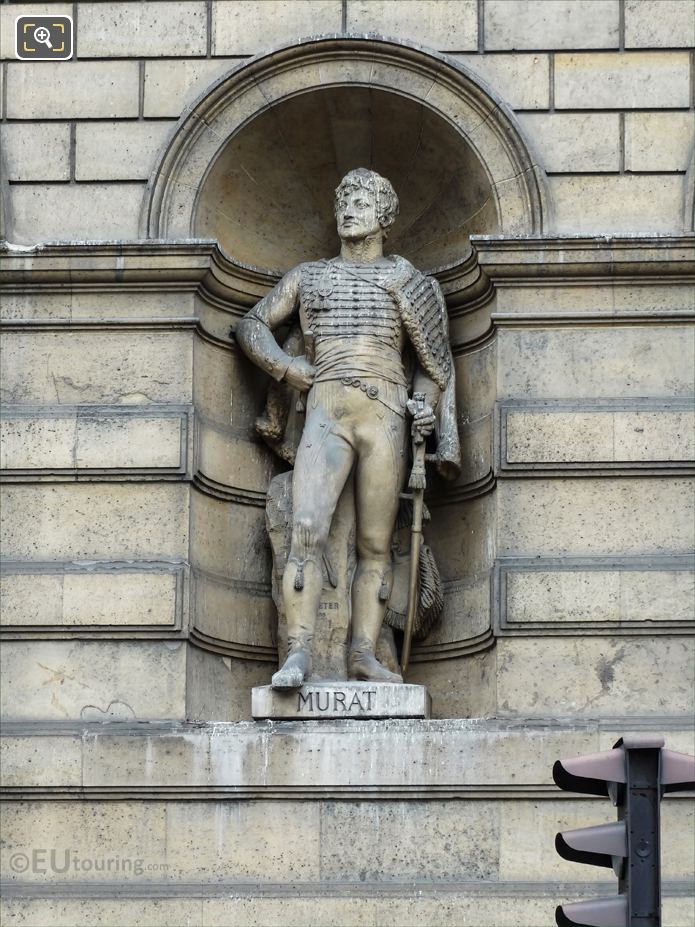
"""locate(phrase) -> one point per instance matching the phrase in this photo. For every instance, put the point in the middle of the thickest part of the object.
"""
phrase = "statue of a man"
(374, 329)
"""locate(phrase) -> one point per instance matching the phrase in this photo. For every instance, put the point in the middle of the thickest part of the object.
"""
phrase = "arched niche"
(253, 161)
(253, 164)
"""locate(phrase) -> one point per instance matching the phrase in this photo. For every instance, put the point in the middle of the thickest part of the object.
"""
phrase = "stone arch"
(396, 84)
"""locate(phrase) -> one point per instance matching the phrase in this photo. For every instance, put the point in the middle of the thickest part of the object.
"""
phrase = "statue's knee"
(307, 537)
(374, 547)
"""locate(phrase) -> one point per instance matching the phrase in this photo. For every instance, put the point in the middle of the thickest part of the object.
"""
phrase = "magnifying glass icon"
(41, 34)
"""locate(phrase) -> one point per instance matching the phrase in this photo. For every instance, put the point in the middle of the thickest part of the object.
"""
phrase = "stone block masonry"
(36, 150)
(435, 23)
(551, 24)
(597, 92)
(136, 588)
(118, 150)
(148, 30)
(246, 27)
(632, 80)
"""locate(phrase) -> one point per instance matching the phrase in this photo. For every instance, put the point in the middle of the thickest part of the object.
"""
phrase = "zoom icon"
(43, 38)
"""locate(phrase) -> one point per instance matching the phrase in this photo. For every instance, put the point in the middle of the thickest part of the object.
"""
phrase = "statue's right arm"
(254, 333)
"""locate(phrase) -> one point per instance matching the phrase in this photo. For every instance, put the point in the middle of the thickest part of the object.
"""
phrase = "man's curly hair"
(386, 199)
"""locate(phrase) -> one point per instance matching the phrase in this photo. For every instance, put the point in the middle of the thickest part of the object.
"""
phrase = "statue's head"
(365, 203)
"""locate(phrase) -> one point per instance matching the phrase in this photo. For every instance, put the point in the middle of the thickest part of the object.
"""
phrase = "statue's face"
(356, 215)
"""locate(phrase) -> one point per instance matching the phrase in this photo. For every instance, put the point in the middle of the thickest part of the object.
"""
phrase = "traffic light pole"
(641, 880)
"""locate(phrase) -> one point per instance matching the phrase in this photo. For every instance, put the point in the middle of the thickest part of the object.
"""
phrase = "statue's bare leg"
(323, 464)
(378, 481)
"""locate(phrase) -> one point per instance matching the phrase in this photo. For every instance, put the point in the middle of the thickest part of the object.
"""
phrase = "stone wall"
(136, 577)
(602, 88)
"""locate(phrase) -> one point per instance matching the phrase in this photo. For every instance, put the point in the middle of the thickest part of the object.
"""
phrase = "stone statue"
(371, 329)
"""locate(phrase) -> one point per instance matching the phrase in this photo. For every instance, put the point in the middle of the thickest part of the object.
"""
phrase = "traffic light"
(634, 775)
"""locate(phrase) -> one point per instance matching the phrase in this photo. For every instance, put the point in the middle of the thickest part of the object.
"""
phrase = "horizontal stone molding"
(226, 289)
(612, 436)
(393, 759)
(226, 493)
(95, 441)
(503, 264)
(462, 492)
(341, 889)
(105, 599)
(584, 596)
(450, 650)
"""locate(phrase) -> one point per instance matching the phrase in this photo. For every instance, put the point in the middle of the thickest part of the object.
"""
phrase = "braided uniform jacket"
(342, 300)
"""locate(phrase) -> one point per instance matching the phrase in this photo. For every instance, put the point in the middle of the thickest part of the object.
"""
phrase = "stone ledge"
(412, 759)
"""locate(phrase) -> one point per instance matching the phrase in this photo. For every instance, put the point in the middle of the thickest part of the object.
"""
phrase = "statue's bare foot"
(293, 672)
(363, 665)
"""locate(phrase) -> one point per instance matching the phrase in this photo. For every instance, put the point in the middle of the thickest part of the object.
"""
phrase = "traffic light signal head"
(634, 774)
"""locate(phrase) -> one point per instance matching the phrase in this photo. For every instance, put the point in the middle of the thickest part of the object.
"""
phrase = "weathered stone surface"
(419, 906)
(68, 521)
(246, 27)
(55, 90)
(101, 912)
(89, 598)
(233, 460)
(595, 436)
(521, 80)
(172, 85)
(348, 699)
(615, 203)
(598, 298)
(596, 362)
(574, 142)
(151, 29)
(36, 151)
(131, 835)
(594, 677)
(89, 440)
(355, 755)
(88, 211)
(77, 304)
(230, 540)
(658, 141)
(527, 838)
(551, 24)
(459, 687)
(631, 81)
(317, 909)
(94, 680)
(67, 368)
(31, 762)
(436, 23)
(659, 23)
(599, 595)
(579, 517)
(436, 841)
(118, 151)
(209, 841)
(219, 688)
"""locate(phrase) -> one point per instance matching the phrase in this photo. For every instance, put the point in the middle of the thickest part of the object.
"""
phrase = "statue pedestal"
(341, 700)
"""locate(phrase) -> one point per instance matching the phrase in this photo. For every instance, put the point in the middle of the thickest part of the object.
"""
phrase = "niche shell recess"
(268, 196)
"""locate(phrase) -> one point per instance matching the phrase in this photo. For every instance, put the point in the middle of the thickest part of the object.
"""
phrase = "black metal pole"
(641, 879)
